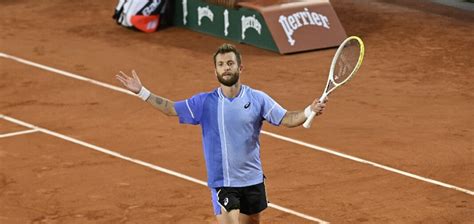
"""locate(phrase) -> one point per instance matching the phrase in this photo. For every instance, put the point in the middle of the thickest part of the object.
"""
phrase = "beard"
(228, 81)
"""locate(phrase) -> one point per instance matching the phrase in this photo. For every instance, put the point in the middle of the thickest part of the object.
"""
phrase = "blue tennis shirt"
(230, 133)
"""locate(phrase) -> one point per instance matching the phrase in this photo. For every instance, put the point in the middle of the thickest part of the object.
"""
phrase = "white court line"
(149, 165)
(18, 133)
(67, 74)
(319, 148)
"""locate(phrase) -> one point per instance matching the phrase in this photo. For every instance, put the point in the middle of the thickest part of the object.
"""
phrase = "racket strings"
(347, 61)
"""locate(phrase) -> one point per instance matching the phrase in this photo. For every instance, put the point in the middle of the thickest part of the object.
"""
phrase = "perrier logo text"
(299, 19)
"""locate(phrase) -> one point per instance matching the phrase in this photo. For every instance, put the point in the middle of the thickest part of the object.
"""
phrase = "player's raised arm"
(133, 84)
(296, 118)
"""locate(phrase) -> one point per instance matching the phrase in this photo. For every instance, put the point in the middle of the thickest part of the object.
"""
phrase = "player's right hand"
(131, 83)
(318, 106)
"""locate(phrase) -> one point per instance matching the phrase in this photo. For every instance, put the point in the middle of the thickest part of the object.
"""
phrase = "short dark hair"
(226, 48)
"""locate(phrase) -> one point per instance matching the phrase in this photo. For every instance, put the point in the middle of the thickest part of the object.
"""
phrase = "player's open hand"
(131, 83)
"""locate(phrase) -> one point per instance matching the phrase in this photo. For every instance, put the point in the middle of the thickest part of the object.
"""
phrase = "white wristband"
(307, 111)
(144, 93)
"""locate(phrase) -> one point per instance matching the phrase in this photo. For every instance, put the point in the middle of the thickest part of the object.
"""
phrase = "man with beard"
(231, 118)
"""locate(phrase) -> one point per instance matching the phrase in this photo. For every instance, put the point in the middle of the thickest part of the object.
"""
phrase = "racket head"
(344, 65)
(346, 61)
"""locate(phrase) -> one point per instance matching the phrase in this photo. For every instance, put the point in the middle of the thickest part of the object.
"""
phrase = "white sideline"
(319, 148)
(18, 133)
(67, 74)
(139, 162)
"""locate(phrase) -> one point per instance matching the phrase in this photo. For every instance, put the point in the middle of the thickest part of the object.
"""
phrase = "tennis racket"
(345, 64)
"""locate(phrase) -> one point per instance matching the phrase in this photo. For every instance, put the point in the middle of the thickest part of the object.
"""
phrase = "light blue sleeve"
(271, 110)
(190, 110)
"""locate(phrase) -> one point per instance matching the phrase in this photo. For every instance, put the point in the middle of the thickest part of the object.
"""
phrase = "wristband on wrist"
(144, 93)
(307, 111)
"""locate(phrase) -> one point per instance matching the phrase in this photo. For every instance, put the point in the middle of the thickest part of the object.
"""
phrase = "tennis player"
(231, 118)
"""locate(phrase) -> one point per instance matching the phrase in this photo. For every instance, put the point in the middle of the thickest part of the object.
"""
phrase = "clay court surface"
(409, 108)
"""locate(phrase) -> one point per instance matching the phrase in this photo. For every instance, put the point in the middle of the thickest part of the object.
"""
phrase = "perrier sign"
(290, 27)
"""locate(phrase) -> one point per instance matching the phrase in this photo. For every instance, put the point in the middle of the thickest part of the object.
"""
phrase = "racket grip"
(309, 120)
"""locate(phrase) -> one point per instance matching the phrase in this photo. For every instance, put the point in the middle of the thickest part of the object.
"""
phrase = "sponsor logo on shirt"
(247, 105)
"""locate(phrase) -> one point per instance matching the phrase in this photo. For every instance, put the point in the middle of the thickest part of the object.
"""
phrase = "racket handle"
(309, 120)
(307, 123)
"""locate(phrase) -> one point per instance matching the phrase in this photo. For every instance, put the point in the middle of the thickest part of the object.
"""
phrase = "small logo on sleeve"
(247, 105)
